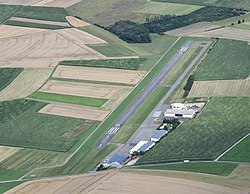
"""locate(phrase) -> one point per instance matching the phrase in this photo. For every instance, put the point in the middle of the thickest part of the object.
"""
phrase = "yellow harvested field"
(19, 2)
(39, 21)
(56, 3)
(27, 82)
(6, 152)
(99, 74)
(46, 49)
(12, 31)
(117, 182)
(82, 112)
(220, 88)
(76, 22)
(81, 89)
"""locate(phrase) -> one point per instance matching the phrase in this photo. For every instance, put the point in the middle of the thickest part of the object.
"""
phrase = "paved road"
(144, 94)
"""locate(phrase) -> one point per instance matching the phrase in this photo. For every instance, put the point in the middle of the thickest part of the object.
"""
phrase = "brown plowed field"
(6, 152)
(99, 74)
(76, 22)
(19, 2)
(56, 3)
(27, 82)
(118, 182)
(40, 21)
(83, 112)
(220, 88)
(81, 89)
(45, 49)
(12, 31)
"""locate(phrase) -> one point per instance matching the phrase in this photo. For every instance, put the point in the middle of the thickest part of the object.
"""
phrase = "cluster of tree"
(169, 124)
(133, 32)
(239, 22)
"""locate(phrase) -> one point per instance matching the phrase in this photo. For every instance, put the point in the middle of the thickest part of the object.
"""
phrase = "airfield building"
(158, 135)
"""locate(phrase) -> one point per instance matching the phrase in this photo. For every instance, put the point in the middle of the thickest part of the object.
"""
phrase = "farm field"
(7, 152)
(34, 130)
(239, 153)
(229, 21)
(245, 4)
(81, 89)
(130, 64)
(56, 3)
(18, 2)
(152, 7)
(99, 74)
(220, 62)
(6, 11)
(46, 49)
(27, 82)
(75, 22)
(222, 169)
(220, 88)
(223, 122)
(82, 112)
(69, 99)
(8, 75)
(138, 183)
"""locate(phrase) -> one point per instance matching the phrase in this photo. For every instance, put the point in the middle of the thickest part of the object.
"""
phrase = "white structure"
(137, 147)
(179, 106)
(158, 135)
(177, 113)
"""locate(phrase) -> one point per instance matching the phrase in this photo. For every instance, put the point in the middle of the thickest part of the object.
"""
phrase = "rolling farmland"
(160, 8)
(8, 75)
(220, 88)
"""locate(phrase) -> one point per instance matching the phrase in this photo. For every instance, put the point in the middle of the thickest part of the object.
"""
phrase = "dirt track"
(82, 112)
(117, 183)
(99, 74)
(80, 89)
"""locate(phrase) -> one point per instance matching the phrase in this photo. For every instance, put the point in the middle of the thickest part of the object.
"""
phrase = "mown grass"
(43, 13)
(223, 122)
(8, 75)
(7, 174)
(7, 186)
(95, 102)
(22, 125)
(6, 11)
(131, 64)
(34, 25)
(216, 168)
(228, 59)
(240, 152)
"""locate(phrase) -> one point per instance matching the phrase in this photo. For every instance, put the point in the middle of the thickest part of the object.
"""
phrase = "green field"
(95, 102)
(107, 12)
(160, 8)
(43, 13)
(245, 4)
(222, 123)
(6, 174)
(229, 21)
(228, 59)
(22, 125)
(8, 75)
(131, 64)
(34, 25)
(216, 168)
(7, 186)
(240, 152)
(6, 11)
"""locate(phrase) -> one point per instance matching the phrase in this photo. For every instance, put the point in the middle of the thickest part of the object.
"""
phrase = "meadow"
(95, 102)
(22, 126)
(228, 59)
(8, 75)
(131, 64)
(216, 168)
(222, 123)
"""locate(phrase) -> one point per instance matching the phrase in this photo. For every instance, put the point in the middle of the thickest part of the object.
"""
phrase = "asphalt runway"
(144, 94)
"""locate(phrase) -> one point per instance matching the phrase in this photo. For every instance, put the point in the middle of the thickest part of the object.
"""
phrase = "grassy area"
(240, 152)
(229, 21)
(7, 186)
(245, 4)
(216, 168)
(222, 123)
(8, 75)
(140, 115)
(22, 125)
(34, 25)
(228, 59)
(7, 174)
(95, 102)
(106, 12)
(131, 64)
(43, 13)
(160, 8)
(6, 11)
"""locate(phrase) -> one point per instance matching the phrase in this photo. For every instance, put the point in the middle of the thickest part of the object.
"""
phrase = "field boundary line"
(71, 156)
(231, 147)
